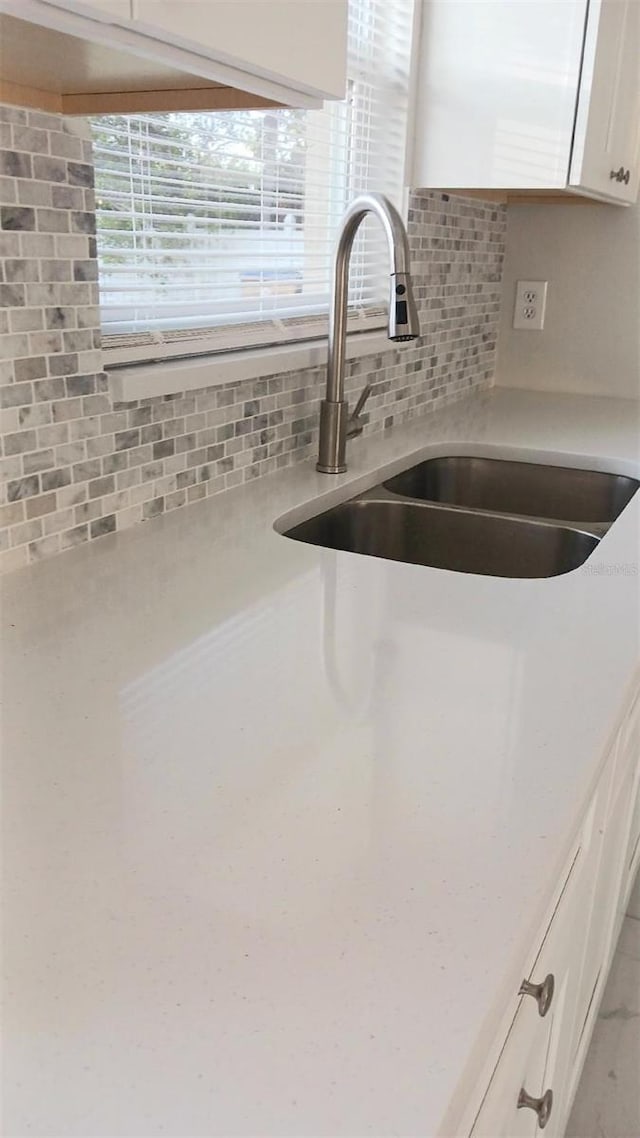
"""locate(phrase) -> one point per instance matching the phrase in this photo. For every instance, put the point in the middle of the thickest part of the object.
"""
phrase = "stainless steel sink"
(490, 516)
(584, 497)
(444, 538)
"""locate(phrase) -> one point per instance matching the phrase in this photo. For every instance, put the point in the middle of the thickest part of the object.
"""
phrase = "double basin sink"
(489, 516)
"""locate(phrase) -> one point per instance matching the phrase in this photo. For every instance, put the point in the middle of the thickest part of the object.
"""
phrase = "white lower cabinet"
(535, 1078)
(521, 1065)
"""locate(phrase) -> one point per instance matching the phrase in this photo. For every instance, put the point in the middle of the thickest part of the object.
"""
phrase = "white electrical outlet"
(531, 301)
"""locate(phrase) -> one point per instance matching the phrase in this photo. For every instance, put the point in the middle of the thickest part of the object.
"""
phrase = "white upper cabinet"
(538, 95)
(119, 56)
(605, 150)
(297, 42)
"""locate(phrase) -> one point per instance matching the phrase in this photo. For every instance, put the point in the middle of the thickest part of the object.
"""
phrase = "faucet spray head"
(403, 314)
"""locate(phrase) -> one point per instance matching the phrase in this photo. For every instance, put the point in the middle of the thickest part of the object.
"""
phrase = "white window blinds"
(216, 230)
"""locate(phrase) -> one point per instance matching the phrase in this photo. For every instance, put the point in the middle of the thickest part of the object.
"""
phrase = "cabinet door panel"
(607, 133)
(496, 93)
(298, 42)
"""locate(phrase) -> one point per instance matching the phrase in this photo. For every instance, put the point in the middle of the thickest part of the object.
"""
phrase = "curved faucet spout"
(403, 318)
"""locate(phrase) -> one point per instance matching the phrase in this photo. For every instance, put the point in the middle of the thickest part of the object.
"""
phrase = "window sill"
(144, 381)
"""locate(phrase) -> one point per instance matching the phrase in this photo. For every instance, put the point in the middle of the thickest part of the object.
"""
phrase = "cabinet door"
(497, 83)
(300, 43)
(607, 137)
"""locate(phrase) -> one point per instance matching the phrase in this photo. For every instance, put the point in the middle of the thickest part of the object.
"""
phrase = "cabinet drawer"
(535, 1060)
(534, 1049)
(521, 1065)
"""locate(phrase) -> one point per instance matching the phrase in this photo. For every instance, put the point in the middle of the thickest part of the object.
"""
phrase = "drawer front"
(535, 1049)
(521, 1066)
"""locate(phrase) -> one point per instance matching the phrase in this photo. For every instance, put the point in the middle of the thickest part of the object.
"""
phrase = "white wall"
(590, 254)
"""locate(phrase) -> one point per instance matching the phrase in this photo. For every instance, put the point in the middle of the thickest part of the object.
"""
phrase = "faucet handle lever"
(354, 426)
(362, 399)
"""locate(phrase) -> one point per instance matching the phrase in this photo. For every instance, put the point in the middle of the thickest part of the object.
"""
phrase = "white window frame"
(215, 366)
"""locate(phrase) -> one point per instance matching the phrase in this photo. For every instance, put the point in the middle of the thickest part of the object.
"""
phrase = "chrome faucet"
(335, 424)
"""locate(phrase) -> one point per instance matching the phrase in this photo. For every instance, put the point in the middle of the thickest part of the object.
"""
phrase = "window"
(216, 230)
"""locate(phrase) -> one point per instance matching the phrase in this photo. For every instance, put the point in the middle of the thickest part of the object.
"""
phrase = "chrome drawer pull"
(621, 175)
(542, 1106)
(542, 993)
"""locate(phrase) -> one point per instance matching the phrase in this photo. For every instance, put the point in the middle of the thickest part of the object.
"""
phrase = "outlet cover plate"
(530, 304)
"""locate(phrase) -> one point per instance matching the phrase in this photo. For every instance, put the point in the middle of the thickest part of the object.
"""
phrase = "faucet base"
(331, 469)
(333, 437)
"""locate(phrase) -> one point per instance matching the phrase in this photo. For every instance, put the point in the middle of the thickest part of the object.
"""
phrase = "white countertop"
(279, 821)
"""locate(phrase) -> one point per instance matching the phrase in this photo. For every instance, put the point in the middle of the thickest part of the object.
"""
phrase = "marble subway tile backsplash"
(77, 465)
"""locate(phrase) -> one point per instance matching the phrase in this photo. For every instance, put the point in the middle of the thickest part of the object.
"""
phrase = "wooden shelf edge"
(139, 102)
(19, 96)
(132, 102)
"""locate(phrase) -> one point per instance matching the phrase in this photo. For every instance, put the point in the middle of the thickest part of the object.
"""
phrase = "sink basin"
(448, 538)
(586, 497)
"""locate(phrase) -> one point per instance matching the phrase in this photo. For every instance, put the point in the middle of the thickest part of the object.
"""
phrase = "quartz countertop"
(279, 821)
